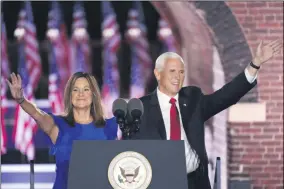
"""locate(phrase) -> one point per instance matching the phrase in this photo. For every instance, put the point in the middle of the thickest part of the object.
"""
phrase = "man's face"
(171, 77)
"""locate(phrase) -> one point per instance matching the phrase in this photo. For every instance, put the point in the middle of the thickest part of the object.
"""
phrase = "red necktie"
(175, 122)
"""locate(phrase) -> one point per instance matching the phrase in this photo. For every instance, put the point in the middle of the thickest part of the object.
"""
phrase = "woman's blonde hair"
(96, 106)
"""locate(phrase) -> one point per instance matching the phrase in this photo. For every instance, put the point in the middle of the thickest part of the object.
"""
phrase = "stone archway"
(232, 43)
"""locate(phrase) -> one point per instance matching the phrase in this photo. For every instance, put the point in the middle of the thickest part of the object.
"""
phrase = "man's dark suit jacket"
(198, 109)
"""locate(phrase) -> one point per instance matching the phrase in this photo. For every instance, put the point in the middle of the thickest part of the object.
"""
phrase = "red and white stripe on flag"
(54, 94)
(5, 71)
(25, 128)
(3, 110)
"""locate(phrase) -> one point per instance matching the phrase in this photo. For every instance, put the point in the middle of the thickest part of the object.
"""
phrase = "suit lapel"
(187, 106)
(183, 105)
(156, 115)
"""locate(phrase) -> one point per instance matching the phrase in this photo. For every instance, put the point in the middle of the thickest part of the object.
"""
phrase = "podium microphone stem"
(32, 173)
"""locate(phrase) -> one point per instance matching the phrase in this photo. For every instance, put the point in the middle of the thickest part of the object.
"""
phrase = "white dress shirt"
(191, 158)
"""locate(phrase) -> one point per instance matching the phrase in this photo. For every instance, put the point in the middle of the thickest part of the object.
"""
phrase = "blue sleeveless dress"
(62, 148)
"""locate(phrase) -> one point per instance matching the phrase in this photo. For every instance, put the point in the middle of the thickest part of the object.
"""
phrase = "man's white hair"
(161, 60)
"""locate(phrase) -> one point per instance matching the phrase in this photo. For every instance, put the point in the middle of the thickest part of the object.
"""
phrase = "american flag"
(5, 71)
(141, 61)
(80, 50)
(54, 93)
(166, 36)
(57, 60)
(111, 40)
(60, 43)
(30, 70)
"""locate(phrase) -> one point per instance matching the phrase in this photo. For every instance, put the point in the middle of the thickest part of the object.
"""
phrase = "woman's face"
(81, 94)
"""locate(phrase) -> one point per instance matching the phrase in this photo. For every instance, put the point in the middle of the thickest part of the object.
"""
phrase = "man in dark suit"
(173, 112)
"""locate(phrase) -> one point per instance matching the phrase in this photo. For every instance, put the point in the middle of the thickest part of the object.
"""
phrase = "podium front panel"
(90, 162)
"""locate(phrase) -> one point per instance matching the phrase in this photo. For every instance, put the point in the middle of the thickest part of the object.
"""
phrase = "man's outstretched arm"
(233, 91)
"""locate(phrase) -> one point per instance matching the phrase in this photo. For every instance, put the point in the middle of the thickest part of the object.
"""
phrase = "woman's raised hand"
(16, 87)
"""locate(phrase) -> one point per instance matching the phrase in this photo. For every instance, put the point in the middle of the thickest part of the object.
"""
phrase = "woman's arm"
(45, 121)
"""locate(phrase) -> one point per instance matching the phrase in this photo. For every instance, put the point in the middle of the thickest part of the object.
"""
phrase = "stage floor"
(17, 176)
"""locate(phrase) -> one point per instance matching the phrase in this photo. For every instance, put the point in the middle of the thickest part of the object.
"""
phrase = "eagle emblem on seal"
(129, 175)
(129, 170)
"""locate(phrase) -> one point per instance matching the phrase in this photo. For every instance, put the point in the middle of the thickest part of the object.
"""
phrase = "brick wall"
(256, 149)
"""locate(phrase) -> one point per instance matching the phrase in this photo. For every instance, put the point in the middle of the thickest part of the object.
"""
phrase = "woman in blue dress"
(83, 119)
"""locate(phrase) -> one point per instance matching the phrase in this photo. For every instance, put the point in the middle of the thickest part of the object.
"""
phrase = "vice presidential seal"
(129, 170)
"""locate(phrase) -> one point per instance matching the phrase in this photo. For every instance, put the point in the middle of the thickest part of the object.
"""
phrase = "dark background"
(94, 19)
(11, 9)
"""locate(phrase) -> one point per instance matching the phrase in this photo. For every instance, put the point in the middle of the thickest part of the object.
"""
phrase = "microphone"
(128, 115)
(135, 109)
(128, 118)
(119, 110)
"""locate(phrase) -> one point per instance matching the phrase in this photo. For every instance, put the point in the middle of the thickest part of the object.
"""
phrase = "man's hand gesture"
(266, 52)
